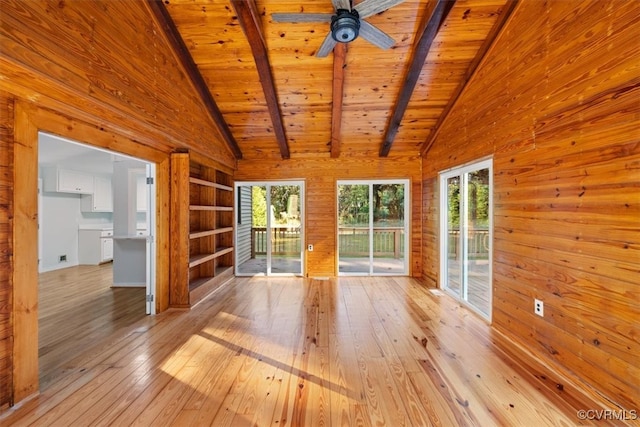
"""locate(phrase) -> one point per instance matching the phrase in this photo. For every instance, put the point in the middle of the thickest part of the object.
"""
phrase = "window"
(466, 234)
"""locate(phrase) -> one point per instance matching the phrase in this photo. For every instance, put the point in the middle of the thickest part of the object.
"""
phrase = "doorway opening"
(269, 228)
(96, 249)
(373, 226)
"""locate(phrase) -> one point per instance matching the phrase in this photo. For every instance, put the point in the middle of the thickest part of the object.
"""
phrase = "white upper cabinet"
(102, 198)
(67, 181)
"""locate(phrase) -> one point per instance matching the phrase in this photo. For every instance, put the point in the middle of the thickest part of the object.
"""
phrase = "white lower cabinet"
(107, 248)
(95, 246)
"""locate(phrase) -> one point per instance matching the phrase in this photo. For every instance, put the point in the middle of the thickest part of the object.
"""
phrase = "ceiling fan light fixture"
(345, 25)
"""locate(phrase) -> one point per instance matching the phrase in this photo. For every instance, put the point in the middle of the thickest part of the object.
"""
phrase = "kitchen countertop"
(100, 227)
(107, 227)
(131, 237)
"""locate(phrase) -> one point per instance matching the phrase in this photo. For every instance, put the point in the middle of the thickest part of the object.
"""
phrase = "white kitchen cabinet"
(67, 181)
(95, 246)
(102, 198)
(107, 248)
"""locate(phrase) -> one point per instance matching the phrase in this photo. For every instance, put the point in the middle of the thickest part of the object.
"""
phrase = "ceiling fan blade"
(375, 36)
(301, 17)
(341, 4)
(327, 46)
(371, 7)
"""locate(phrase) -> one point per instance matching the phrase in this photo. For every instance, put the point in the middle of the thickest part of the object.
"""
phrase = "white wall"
(60, 219)
(60, 212)
(129, 255)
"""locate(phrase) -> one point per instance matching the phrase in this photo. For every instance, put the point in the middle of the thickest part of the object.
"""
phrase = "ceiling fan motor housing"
(345, 25)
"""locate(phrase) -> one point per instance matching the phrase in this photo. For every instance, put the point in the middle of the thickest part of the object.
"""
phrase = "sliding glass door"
(466, 234)
(354, 228)
(285, 229)
(269, 228)
(373, 227)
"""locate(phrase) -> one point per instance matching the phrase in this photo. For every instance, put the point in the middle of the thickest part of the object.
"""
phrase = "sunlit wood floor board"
(77, 309)
(300, 352)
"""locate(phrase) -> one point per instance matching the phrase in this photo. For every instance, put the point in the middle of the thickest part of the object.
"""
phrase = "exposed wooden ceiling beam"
(421, 50)
(182, 53)
(482, 52)
(339, 64)
(250, 23)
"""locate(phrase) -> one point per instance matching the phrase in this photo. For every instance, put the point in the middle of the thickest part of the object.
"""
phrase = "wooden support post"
(25, 265)
(179, 226)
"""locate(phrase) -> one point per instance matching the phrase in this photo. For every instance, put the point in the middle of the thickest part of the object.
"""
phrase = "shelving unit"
(203, 225)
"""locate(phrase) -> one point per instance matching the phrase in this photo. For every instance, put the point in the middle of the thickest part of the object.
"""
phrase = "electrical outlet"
(310, 248)
(62, 258)
(538, 307)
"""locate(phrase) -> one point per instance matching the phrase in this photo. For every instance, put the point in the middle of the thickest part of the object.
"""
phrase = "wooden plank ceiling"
(279, 100)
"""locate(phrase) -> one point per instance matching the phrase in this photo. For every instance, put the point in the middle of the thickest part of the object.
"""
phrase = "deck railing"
(477, 243)
(284, 241)
(388, 242)
(354, 242)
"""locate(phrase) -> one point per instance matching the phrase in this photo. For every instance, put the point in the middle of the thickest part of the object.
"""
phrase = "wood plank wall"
(68, 66)
(321, 176)
(6, 248)
(75, 57)
(557, 105)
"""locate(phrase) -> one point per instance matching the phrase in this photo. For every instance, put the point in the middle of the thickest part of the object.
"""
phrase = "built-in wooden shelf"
(211, 208)
(205, 253)
(223, 251)
(203, 286)
(198, 259)
(210, 184)
(204, 280)
(205, 233)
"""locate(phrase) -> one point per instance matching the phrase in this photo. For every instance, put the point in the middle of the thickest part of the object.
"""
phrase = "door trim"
(28, 120)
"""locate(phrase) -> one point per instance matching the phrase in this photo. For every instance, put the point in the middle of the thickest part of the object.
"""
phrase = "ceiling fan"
(347, 23)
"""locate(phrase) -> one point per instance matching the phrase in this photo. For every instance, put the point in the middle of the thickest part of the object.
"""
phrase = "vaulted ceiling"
(274, 98)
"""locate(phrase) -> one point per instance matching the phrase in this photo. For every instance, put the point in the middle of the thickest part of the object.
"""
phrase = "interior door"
(150, 197)
(40, 237)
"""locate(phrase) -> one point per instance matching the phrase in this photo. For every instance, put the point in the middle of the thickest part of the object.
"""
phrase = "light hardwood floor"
(77, 309)
(301, 352)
